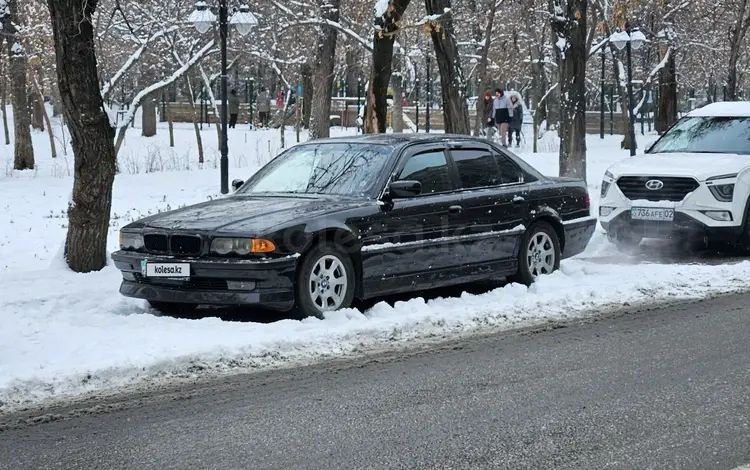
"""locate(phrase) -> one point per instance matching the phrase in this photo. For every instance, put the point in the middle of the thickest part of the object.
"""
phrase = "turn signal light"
(262, 246)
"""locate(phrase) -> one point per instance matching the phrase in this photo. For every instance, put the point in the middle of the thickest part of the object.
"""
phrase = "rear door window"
(476, 168)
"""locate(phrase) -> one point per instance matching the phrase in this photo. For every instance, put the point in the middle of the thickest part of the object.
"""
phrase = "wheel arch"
(550, 216)
(347, 241)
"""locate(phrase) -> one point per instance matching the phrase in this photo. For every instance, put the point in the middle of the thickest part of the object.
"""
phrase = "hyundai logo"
(654, 185)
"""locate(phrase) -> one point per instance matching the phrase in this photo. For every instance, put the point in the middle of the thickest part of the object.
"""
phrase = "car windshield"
(700, 134)
(349, 169)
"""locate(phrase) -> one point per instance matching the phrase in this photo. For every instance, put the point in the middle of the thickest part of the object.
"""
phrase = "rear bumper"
(268, 283)
(578, 233)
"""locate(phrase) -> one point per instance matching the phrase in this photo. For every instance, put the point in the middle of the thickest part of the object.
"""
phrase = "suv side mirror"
(405, 189)
(236, 184)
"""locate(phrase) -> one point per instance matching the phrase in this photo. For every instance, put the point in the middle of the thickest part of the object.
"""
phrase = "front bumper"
(691, 215)
(272, 280)
(682, 225)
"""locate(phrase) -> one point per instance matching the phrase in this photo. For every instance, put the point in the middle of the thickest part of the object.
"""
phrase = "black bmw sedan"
(332, 220)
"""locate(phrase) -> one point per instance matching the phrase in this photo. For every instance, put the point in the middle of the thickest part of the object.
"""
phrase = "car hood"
(246, 214)
(697, 165)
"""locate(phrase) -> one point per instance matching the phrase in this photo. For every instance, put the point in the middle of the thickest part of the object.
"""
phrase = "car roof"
(399, 139)
(723, 109)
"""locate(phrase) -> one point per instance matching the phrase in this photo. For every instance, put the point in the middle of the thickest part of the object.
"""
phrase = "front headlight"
(722, 192)
(606, 184)
(241, 246)
(131, 241)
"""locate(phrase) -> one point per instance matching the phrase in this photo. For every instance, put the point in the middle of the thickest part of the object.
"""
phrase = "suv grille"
(185, 245)
(675, 189)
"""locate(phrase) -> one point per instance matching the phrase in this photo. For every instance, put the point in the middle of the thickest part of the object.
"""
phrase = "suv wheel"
(624, 241)
(325, 282)
(539, 253)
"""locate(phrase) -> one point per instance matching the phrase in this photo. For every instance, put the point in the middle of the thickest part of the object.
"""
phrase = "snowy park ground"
(63, 333)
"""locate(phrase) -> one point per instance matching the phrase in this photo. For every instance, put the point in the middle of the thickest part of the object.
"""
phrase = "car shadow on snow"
(258, 315)
(649, 252)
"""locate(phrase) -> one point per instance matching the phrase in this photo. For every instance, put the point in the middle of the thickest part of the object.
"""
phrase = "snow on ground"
(65, 333)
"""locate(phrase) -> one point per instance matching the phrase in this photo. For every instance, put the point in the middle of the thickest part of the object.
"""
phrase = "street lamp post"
(631, 38)
(428, 106)
(601, 102)
(243, 20)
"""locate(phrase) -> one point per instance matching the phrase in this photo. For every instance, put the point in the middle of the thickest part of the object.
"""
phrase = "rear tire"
(325, 282)
(539, 254)
(172, 308)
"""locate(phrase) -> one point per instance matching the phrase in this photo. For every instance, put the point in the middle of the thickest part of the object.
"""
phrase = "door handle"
(455, 209)
(518, 199)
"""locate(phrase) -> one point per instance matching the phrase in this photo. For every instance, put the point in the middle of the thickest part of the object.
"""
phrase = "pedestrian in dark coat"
(516, 121)
(234, 108)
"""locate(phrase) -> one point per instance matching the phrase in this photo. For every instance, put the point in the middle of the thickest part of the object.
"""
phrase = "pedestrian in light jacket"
(503, 109)
(264, 106)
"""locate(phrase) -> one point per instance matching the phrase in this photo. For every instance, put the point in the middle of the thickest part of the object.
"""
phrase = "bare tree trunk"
(482, 77)
(320, 111)
(90, 131)
(736, 37)
(353, 69)
(307, 94)
(148, 118)
(23, 158)
(168, 111)
(455, 112)
(196, 127)
(3, 101)
(36, 104)
(50, 132)
(397, 118)
(56, 101)
(569, 25)
(667, 115)
(376, 106)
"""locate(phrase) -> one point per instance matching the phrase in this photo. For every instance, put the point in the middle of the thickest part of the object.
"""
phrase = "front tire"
(325, 282)
(539, 254)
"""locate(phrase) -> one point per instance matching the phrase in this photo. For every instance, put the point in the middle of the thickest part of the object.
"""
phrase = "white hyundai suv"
(691, 184)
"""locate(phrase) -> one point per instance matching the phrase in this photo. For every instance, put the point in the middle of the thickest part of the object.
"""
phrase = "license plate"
(652, 213)
(175, 270)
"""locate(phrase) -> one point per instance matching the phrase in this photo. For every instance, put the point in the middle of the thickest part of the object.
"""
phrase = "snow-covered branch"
(132, 60)
(197, 57)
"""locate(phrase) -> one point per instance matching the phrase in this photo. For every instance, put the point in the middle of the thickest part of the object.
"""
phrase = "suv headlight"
(131, 241)
(722, 192)
(241, 246)
(606, 184)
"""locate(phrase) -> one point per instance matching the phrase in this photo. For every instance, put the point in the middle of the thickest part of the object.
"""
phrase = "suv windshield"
(349, 169)
(707, 135)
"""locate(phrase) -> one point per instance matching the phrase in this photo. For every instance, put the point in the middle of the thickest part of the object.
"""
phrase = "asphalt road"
(664, 389)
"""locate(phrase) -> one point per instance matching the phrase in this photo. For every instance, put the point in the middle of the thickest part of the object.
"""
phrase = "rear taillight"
(588, 200)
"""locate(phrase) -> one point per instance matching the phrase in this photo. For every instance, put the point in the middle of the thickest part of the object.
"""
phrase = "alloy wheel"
(540, 254)
(328, 283)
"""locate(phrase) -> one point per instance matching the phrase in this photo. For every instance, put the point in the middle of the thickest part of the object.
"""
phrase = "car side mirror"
(236, 184)
(405, 189)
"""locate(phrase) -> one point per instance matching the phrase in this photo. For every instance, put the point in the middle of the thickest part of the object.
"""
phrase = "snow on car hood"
(697, 165)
